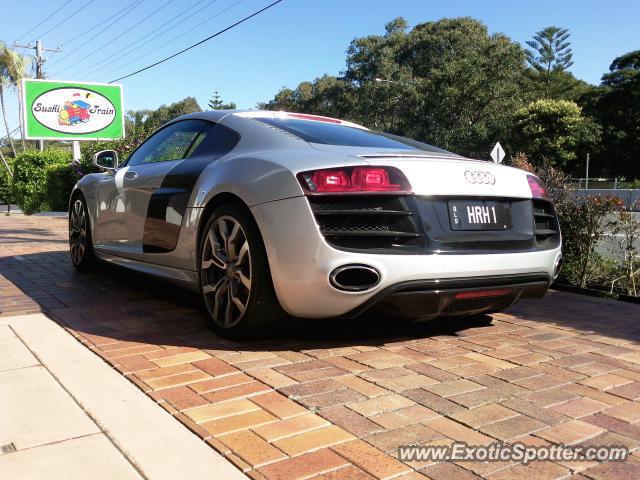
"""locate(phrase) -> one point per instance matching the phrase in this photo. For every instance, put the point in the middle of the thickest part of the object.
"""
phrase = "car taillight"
(538, 190)
(330, 181)
(355, 180)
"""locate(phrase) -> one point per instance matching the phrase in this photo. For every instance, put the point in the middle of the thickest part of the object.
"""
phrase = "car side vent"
(367, 222)
(546, 228)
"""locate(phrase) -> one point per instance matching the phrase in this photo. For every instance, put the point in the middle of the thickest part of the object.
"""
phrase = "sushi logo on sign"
(58, 110)
(73, 110)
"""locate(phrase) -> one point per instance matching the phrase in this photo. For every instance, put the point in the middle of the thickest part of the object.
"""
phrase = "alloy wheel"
(226, 271)
(77, 232)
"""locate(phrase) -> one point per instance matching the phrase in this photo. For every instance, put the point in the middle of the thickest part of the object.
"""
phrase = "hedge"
(31, 171)
(6, 187)
(60, 181)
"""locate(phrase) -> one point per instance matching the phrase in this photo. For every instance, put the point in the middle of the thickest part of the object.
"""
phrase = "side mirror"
(107, 159)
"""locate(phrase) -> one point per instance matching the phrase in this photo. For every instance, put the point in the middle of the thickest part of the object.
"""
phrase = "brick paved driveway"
(319, 401)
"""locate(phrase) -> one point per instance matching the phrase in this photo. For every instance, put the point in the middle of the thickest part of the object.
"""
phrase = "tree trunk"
(6, 123)
(587, 255)
(585, 267)
(6, 164)
(21, 117)
(547, 81)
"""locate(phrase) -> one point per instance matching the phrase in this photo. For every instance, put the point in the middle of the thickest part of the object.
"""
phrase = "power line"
(158, 47)
(146, 54)
(12, 106)
(200, 42)
(45, 19)
(121, 34)
(102, 63)
(120, 14)
(39, 58)
(68, 18)
(90, 29)
(11, 132)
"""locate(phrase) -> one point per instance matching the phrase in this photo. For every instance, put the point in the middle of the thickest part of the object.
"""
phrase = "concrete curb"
(154, 442)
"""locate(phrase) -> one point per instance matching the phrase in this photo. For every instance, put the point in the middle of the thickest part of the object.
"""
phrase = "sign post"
(497, 154)
(72, 111)
(76, 151)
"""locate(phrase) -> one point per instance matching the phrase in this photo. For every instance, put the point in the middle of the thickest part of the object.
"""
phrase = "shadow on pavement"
(130, 306)
(117, 303)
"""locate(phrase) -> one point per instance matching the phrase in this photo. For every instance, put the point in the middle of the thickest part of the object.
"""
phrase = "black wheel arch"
(222, 198)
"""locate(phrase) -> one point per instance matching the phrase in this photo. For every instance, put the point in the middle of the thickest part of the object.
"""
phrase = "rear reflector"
(355, 180)
(482, 294)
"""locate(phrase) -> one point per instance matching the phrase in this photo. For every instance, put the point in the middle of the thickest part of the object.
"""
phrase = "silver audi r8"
(273, 213)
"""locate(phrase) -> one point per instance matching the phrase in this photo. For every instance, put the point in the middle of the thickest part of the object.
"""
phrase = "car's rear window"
(337, 134)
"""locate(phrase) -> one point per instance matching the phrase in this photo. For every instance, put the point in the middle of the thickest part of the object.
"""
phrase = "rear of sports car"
(414, 234)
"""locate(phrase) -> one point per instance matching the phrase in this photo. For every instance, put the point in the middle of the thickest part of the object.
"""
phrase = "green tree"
(12, 70)
(467, 84)
(160, 116)
(135, 119)
(553, 131)
(550, 57)
(215, 103)
(616, 106)
(326, 95)
(449, 83)
(139, 124)
(564, 86)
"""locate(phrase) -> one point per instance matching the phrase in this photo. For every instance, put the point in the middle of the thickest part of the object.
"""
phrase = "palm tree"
(5, 82)
(12, 70)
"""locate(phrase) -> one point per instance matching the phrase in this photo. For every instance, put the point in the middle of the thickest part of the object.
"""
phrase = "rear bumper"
(301, 263)
(454, 296)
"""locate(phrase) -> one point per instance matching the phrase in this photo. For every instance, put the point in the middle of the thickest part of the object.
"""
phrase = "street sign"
(497, 153)
(57, 110)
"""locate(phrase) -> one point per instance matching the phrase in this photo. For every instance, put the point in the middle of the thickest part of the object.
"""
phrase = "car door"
(123, 196)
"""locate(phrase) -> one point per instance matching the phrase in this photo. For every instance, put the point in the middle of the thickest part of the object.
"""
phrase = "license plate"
(479, 215)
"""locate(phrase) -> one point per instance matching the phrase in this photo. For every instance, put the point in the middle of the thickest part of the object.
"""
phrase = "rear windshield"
(337, 134)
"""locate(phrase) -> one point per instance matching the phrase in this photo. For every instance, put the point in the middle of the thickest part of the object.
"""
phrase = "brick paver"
(334, 400)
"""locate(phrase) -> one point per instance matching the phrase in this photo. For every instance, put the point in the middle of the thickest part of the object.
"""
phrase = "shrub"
(61, 178)
(30, 176)
(626, 227)
(553, 131)
(124, 146)
(583, 221)
(6, 183)
(582, 230)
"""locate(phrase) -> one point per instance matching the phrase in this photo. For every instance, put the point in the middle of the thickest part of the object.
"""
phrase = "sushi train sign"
(55, 110)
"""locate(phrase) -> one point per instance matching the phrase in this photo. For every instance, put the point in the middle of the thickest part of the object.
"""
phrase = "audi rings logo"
(484, 178)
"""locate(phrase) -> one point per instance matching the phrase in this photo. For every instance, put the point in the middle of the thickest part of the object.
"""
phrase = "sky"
(294, 41)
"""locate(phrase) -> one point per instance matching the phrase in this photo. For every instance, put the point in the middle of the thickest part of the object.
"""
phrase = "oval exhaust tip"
(354, 278)
(558, 267)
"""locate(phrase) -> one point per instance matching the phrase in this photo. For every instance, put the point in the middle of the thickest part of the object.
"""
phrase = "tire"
(80, 242)
(483, 319)
(235, 280)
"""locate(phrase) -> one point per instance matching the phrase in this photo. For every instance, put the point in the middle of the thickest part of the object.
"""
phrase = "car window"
(337, 134)
(215, 140)
(169, 143)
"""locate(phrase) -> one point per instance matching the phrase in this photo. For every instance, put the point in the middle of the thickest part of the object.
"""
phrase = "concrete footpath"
(66, 414)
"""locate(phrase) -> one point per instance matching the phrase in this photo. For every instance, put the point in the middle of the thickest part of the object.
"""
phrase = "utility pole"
(40, 59)
(586, 180)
